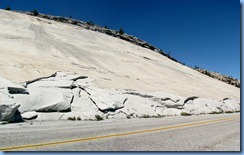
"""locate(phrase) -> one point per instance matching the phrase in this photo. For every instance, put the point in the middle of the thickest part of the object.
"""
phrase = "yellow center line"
(115, 135)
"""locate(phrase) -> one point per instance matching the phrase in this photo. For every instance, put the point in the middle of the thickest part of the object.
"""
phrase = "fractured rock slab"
(9, 109)
(202, 106)
(230, 105)
(106, 100)
(83, 106)
(139, 106)
(45, 100)
(69, 96)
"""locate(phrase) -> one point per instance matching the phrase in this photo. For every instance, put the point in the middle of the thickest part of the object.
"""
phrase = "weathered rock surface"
(230, 105)
(10, 113)
(82, 105)
(44, 46)
(202, 106)
(6, 83)
(9, 109)
(74, 97)
(45, 100)
(139, 106)
(106, 100)
(206, 106)
(115, 79)
(131, 39)
(10, 87)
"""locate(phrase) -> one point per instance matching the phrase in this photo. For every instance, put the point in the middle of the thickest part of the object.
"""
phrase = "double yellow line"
(114, 135)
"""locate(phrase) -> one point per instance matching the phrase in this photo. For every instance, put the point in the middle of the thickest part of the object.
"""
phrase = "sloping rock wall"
(71, 96)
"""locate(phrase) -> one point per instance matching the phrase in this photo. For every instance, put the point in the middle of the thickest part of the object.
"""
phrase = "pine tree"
(121, 31)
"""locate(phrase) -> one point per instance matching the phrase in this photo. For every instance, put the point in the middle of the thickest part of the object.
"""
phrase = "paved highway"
(184, 133)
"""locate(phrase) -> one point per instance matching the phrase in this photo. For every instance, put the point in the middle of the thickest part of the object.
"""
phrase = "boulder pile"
(71, 96)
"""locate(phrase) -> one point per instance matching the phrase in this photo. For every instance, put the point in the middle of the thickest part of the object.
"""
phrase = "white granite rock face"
(139, 106)
(202, 106)
(106, 99)
(42, 47)
(230, 105)
(206, 106)
(171, 112)
(74, 97)
(82, 106)
(135, 82)
(45, 100)
(6, 83)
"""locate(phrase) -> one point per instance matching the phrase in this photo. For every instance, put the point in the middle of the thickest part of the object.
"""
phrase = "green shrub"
(60, 19)
(35, 12)
(121, 31)
(7, 8)
(196, 67)
(145, 116)
(207, 73)
(72, 118)
(185, 114)
(215, 112)
(74, 22)
(98, 117)
(78, 118)
(90, 23)
(158, 116)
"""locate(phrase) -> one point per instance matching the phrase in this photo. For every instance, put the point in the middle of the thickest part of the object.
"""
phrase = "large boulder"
(230, 105)
(9, 109)
(82, 106)
(42, 99)
(139, 106)
(10, 113)
(202, 106)
(106, 99)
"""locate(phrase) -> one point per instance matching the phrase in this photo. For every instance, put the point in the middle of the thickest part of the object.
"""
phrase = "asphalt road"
(182, 133)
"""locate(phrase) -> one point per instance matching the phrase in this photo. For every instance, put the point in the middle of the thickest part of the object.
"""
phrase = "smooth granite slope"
(33, 47)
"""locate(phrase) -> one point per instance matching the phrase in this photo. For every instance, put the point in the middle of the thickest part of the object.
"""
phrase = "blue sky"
(205, 33)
